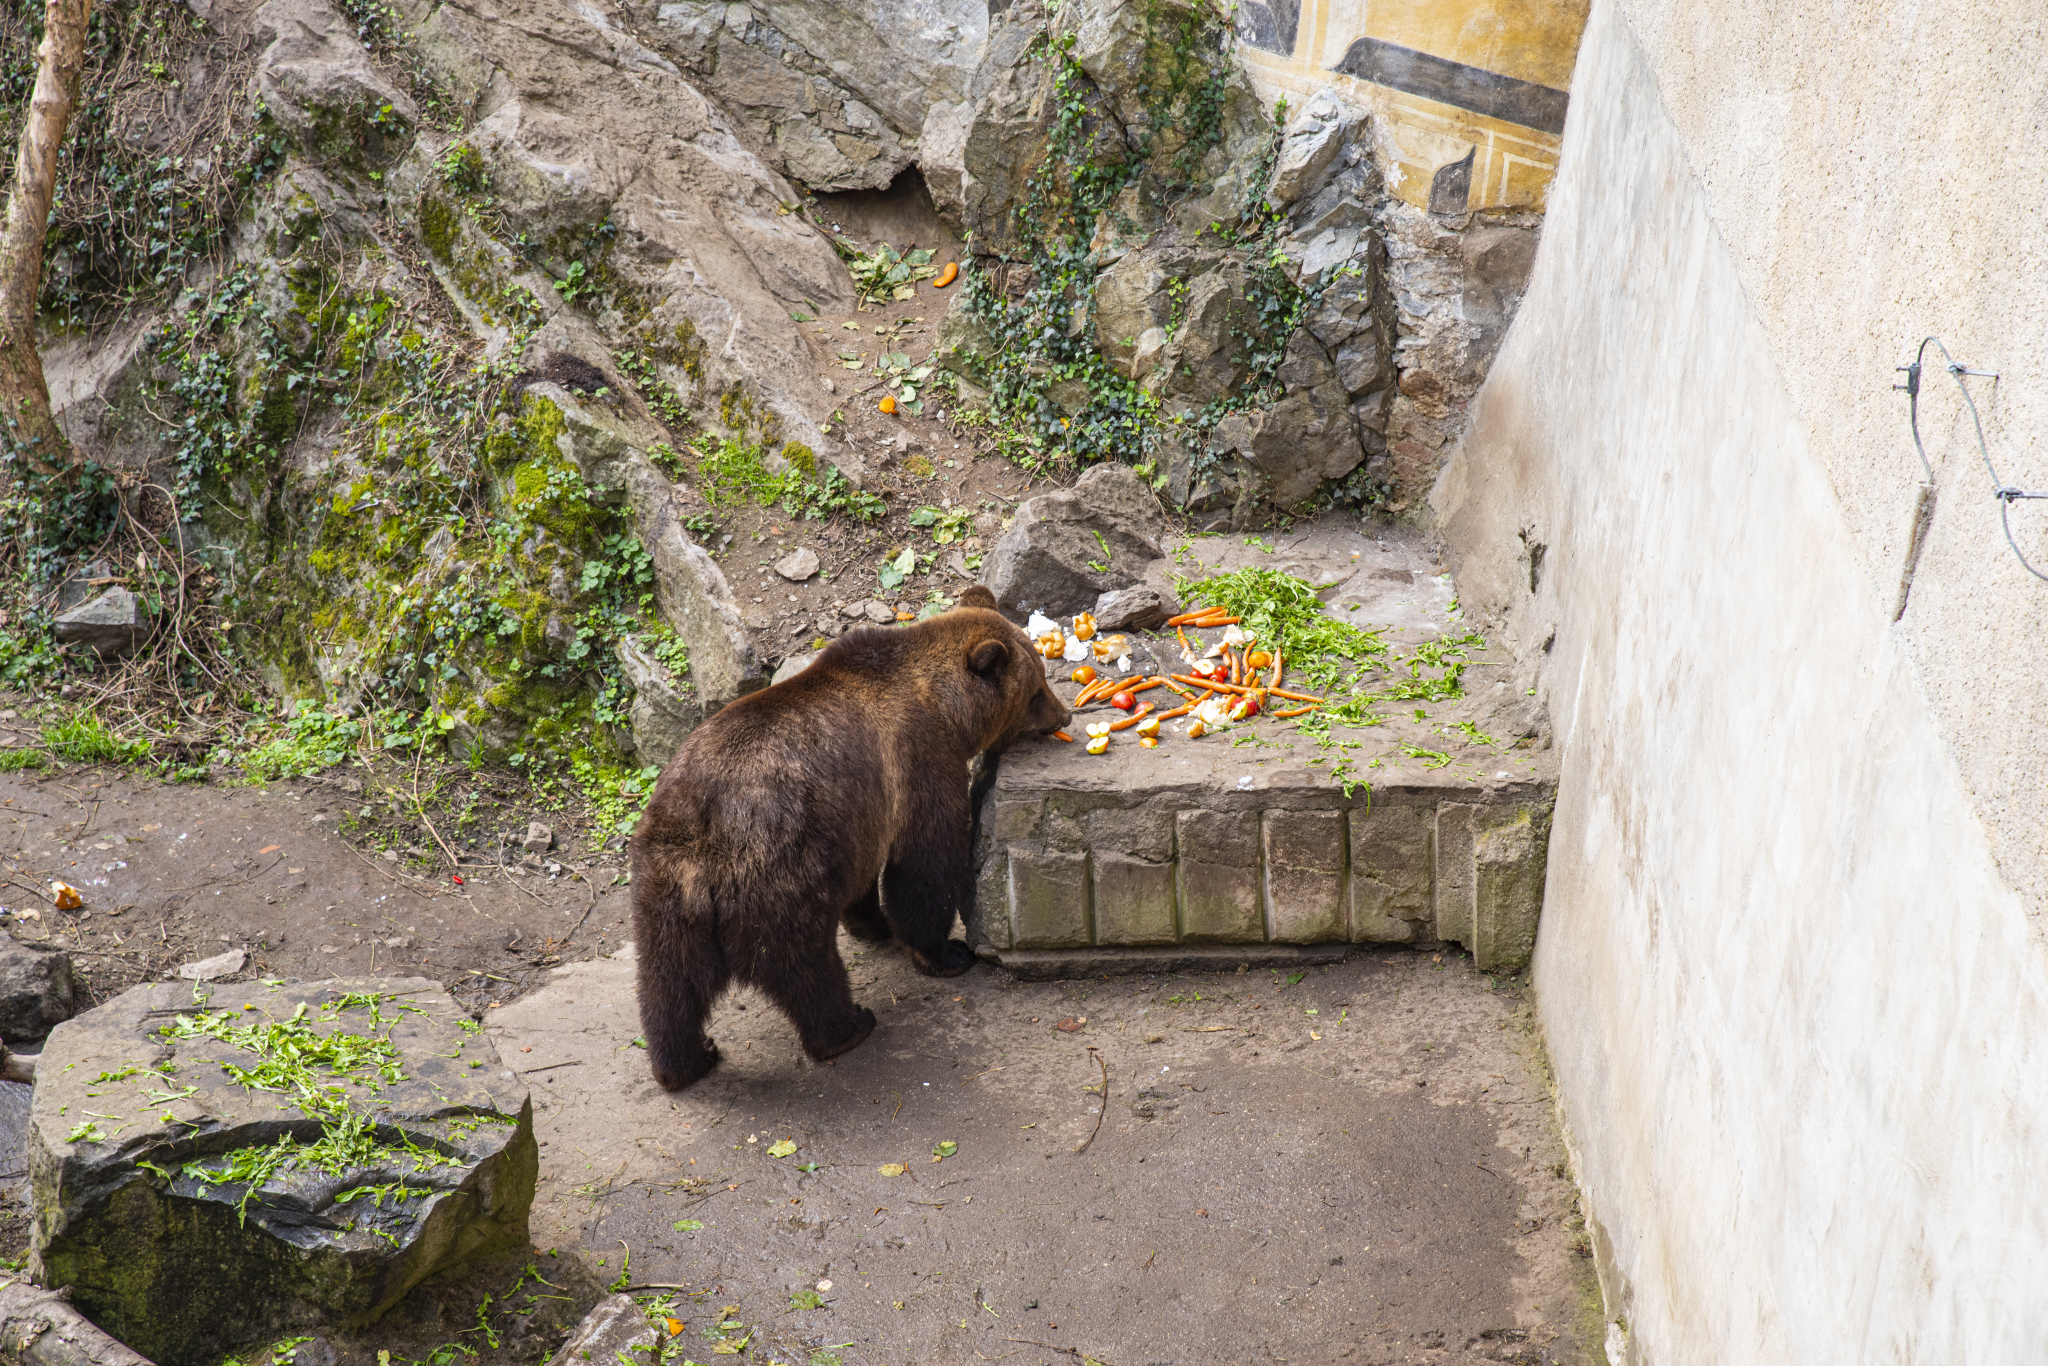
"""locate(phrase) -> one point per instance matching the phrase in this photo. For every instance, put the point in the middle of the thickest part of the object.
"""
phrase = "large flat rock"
(270, 1157)
(1429, 826)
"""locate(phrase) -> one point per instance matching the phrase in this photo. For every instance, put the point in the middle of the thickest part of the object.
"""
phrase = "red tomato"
(1123, 701)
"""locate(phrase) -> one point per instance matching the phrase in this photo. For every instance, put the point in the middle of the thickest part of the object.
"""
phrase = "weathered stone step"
(1189, 844)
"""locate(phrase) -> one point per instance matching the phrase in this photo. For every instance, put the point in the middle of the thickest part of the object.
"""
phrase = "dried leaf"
(687, 1225)
(782, 1149)
(892, 1169)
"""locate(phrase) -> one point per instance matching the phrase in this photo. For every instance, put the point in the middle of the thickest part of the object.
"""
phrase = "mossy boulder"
(270, 1159)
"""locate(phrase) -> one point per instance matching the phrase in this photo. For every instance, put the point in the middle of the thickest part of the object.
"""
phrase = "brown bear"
(838, 795)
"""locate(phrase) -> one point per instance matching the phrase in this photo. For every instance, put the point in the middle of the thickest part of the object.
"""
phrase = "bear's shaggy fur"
(840, 794)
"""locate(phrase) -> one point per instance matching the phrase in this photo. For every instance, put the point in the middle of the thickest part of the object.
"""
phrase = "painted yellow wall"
(1528, 41)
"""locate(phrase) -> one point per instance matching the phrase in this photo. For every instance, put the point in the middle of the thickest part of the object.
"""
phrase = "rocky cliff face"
(478, 269)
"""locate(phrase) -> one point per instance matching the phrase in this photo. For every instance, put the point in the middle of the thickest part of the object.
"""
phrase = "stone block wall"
(1177, 865)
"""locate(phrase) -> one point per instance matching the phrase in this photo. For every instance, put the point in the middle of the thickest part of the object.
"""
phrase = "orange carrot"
(1185, 643)
(1175, 687)
(1292, 711)
(1218, 685)
(1062, 735)
(1185, 617)
(1278, 662)
(1295, 696)
(1148, 683)
(1133, 719)
(1206, 622)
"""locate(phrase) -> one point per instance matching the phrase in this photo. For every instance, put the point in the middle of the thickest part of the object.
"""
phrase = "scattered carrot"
(1278, 662)
(1196, 615)
(1236, 665)
(1295, 696)
(1183, 711)
(1100, 688)
(1148, 683)
(1207, 622)
(1292, 711)
(1169, 683)
(947, 275)
(1062, 735)
(1185, 643)
(1220, 686)
(1133, 719)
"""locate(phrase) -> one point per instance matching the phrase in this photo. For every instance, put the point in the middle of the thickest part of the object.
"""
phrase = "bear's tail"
(681, 970)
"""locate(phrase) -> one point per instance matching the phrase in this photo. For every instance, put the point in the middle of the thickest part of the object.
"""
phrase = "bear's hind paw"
(954, 959)
(864, 1025)
(690, 1072)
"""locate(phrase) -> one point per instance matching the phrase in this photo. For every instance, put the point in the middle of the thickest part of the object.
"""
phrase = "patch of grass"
(314, 739)
(83, 738)
(18, 760)
(617, 795)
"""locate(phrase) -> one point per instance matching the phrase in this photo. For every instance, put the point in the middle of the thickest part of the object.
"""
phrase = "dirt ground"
(1355, 1166)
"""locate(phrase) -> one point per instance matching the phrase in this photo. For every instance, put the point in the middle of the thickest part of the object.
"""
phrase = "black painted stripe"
(1453, 83)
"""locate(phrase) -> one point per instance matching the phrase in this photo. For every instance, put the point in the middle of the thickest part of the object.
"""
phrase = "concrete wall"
(1791, 964)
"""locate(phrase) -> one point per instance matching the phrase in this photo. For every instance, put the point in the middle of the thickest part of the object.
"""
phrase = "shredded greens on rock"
(1331, 658)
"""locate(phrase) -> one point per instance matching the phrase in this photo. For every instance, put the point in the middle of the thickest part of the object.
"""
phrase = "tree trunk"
(29, 429)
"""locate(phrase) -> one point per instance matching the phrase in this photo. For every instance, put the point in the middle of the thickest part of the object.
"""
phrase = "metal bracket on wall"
(1923, 509)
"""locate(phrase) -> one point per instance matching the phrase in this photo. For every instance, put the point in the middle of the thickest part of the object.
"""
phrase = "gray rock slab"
(189, 1211)
(1065, 549)
(665, 708)
(111, 624)
(37, 992)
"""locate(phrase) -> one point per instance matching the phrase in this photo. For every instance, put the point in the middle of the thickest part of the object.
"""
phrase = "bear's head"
(1010, 693)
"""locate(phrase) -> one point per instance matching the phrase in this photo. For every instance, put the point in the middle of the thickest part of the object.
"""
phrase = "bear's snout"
(1048, 713)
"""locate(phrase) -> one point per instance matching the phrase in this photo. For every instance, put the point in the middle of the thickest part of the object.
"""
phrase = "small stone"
(1133, 609)
(613, 1331)
(798, 565)
(539, 839)
(794, 665)
(879, 612)
(854, 609)
(220, 965)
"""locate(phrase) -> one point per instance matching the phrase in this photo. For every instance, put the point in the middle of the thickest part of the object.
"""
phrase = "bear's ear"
(978, 595)
(989, 658)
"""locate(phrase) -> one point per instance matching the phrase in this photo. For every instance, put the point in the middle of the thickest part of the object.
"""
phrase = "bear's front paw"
(863, 1025)
(688, 1071)
(954, 959)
